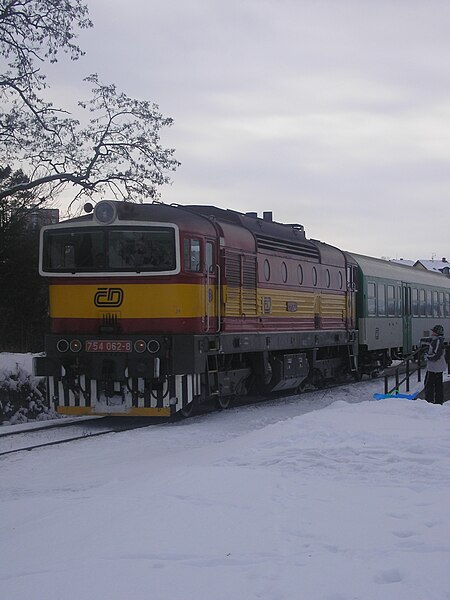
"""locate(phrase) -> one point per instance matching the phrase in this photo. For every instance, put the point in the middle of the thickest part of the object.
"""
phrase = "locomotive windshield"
(112, 249)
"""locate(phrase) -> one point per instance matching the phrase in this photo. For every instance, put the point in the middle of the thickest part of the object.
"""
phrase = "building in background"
(440, 266)
(38, 217)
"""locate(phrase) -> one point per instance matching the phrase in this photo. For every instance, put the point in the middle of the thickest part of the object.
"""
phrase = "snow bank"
(343, 503)
(22, 396)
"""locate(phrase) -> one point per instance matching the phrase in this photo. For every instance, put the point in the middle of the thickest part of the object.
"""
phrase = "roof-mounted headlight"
(105, 212)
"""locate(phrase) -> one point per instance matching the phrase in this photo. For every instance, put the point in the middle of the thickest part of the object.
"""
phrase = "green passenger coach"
(397, 305)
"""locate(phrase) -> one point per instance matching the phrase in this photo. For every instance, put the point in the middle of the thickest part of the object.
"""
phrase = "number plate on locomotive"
(108, 346)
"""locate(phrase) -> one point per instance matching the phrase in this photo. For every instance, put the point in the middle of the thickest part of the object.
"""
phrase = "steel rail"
(48, 426)
(57, 442)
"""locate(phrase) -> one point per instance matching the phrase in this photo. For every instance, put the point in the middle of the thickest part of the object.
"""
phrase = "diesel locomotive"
(157, 308)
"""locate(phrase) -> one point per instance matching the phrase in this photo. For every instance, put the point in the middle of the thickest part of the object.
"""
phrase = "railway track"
(61, 433)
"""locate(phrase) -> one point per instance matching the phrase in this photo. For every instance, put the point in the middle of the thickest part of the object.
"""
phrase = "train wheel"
(357, 375)
(302, 387)
(224, 402)
(318, 379)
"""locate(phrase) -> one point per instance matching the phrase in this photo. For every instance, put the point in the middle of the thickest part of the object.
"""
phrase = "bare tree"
(117, 148)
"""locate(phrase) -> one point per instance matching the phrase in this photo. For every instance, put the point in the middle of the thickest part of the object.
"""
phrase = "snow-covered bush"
(22, 396)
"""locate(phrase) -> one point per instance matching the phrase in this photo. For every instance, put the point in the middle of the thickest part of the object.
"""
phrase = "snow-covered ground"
(329, 496)
(10, 361)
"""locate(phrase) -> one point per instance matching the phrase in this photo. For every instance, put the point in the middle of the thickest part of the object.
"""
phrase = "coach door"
(407, 321)
(212, 288)
(351, 295)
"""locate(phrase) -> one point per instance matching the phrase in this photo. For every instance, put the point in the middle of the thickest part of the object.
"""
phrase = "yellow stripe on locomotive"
(184, 301)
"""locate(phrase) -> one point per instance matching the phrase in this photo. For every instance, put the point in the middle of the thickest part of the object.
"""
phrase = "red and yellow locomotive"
(155, 308)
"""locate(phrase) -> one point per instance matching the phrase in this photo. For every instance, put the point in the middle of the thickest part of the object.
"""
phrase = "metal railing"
(410, 367)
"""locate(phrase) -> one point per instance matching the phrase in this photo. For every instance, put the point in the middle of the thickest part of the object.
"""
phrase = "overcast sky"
(333, 114)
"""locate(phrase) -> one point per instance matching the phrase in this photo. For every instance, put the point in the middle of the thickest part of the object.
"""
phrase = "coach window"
(391, 301)
(399, 301)
(341, 280)
(371, 300)
(266, 270)
(435, 305)
(441, 311)
(327, 278)
(415, 302)
(429, 303)
(314, 276)
(447, 305)
(423, 308)
(381, 299)
(191, 255)
(300, 274)
(284, 273)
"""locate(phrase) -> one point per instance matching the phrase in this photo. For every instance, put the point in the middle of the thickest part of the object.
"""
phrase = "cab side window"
(210, 257)
(191, 255)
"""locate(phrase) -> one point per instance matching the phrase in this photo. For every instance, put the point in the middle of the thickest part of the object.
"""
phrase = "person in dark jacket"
(436, 365)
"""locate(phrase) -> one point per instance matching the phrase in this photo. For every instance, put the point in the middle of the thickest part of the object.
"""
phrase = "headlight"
(153, 346)
(140, 346)
(75, 346)
(105, 212)
(62, 345)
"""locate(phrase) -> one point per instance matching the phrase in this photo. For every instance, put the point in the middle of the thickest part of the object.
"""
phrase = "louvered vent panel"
(240, 271)
(333, 306)
(233, 278)
(249, 300)
(296, 248)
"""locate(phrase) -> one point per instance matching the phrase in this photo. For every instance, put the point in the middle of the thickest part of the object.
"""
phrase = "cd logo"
(108, 297)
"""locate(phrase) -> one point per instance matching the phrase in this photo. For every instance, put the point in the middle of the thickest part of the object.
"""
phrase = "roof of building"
(433, 265)
(438, 266)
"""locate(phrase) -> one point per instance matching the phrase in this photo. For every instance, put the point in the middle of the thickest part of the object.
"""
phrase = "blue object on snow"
(412, 396)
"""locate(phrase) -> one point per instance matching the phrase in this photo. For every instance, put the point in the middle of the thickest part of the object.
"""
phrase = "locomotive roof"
(270, 235)
(251, 221)
(156, 211)
(377, 267)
